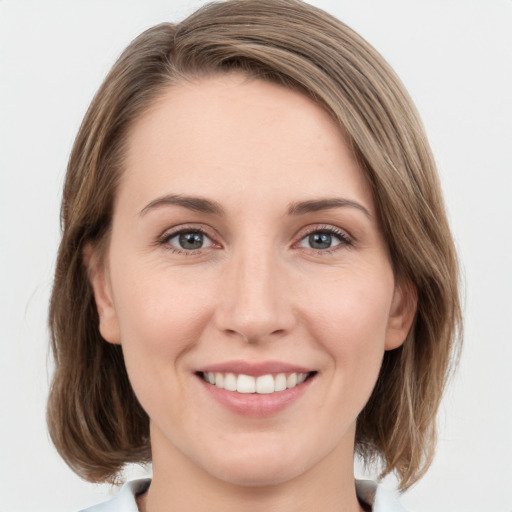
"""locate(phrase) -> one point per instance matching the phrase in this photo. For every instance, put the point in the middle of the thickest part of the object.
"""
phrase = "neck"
(181, 486)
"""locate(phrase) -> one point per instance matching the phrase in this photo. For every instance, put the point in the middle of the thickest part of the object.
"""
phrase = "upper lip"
(254, 368)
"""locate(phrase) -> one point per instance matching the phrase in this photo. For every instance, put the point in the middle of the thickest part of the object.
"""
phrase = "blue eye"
(322, 239)
(189, 240)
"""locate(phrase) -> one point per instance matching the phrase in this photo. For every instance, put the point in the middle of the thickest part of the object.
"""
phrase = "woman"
(254, 226)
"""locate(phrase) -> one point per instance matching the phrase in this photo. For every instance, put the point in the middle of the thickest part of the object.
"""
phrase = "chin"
(263, 465)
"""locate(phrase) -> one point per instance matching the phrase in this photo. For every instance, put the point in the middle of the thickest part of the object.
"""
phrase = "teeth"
(246, 384)
(291, 380)
(230, 382)
(301, 377)
(264, 384)
(280, 382)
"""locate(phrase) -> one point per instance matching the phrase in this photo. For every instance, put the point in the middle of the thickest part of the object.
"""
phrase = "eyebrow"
(202, 205)
(196, 204)
(316, 205)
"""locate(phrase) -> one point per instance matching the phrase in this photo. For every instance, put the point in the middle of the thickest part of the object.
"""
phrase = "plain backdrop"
(455, 58)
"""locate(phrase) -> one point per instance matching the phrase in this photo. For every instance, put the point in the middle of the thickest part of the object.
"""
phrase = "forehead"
(223, 134)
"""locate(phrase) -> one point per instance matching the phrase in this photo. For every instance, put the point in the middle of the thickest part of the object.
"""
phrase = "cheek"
(160, 323)
(350, 321)
(353, 309)
(158, 314)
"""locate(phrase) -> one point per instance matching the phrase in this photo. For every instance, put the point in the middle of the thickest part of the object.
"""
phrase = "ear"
(99, 277)
(402, 313)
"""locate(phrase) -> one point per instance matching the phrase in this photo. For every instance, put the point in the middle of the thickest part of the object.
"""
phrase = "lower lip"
(256, 404)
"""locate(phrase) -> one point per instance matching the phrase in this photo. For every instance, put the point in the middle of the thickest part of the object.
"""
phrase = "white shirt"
(368, 492)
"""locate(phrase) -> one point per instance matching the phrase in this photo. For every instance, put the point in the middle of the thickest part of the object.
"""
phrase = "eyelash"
(168, 236)
(344, 239)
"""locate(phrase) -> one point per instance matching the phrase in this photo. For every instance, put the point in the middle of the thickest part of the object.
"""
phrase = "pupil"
(320, 240)
(191, 240)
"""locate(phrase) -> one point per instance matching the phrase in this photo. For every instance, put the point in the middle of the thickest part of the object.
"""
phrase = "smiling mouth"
(263, 384)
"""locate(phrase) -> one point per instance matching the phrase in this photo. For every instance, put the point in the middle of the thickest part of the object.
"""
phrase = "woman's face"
(246, 250)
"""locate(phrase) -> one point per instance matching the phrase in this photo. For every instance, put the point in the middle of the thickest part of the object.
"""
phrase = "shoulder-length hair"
(94, 417)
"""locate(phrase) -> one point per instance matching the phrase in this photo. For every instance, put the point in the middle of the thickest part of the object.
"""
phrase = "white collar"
(377, 496)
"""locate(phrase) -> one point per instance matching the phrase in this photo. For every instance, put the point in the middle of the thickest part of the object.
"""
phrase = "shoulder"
(377, 497)
(124, 500)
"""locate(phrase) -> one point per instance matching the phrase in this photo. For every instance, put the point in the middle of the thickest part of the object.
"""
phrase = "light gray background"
(454, 56)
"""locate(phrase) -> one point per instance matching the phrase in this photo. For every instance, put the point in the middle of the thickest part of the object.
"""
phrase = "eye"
(189, 240)
(324, 239)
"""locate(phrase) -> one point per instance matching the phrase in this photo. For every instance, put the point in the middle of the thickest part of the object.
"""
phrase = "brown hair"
(94, 418)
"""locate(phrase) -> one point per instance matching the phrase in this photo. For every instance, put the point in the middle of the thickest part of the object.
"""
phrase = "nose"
(254, 302)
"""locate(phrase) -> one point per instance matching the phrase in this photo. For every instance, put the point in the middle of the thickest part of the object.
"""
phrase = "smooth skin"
(243, 229)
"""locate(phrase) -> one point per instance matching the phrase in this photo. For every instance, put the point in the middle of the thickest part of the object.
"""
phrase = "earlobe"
(100, 281)
(402, 314)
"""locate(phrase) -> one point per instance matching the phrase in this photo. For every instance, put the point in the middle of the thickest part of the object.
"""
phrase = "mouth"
(256, 389)
(270, 383)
